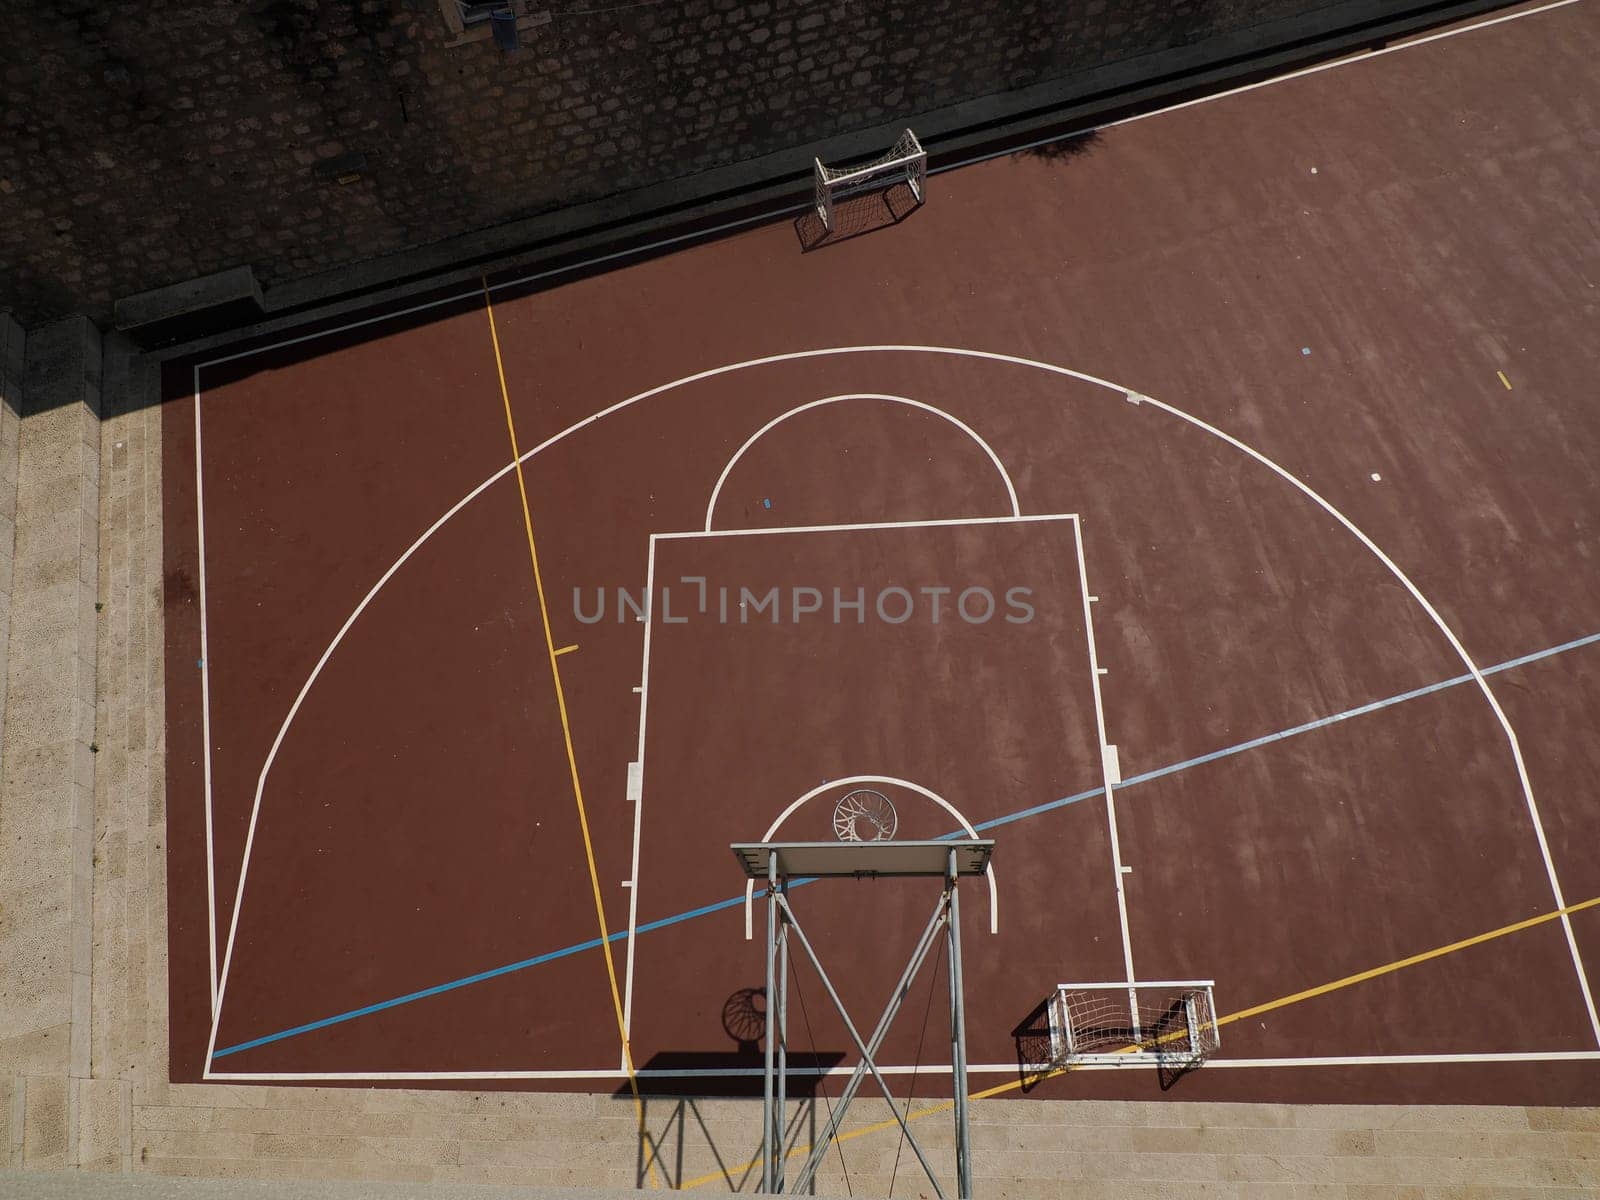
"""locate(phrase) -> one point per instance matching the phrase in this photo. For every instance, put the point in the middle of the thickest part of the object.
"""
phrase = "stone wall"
(13, 343)
(146, 144)
(47, 753)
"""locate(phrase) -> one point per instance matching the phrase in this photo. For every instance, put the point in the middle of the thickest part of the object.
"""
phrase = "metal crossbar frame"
(907, 161)
(781, 923)
(1139, 1034)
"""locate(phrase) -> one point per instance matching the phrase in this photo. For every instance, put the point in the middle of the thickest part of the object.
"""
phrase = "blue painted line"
(1023, 814)
(494, 973)
(1037, 809)
(732, 902)
(437, 989)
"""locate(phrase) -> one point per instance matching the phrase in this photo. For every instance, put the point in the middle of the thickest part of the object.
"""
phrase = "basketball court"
(1206, 516)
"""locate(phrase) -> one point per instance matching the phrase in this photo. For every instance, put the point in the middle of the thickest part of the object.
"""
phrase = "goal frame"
(906, 162)
(1072, 1044)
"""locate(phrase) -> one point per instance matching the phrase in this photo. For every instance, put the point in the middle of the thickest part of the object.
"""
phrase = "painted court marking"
(1011, 1068)
(1005, 476)
(1021, 815)
(636, 769)
(636, 787)
(566, 725)
(1211, 1064)
(1095, 672)
(980, 355)
(205, 699)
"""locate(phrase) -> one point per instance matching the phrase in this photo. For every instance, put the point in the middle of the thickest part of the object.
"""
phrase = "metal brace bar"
(925, 944)
(866, 1057)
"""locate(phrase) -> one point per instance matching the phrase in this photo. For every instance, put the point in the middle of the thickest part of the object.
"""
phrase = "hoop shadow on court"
(670, 1104)
(856, 215)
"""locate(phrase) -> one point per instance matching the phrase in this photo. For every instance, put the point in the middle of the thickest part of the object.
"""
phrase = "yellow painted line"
(1401, 964)
(1012, 1085)
(1504, 380)
(566, 729)
(566, 649)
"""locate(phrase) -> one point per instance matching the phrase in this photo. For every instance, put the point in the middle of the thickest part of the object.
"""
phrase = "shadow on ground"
(1036, 1060)
(1063, 150)
(856, 215)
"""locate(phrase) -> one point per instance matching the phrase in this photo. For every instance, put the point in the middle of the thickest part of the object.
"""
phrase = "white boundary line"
(1117, 873)
(795, 356)
(205, 701)
(1352, 1060)
(1005, 476)
(806, 206)
(1396, 1060)
(1349, 60)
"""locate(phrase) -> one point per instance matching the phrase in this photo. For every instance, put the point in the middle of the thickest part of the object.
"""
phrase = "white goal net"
(906, 163)
(1172, 1023)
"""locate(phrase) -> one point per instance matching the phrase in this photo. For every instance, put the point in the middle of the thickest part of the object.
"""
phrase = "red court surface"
(1274, 414)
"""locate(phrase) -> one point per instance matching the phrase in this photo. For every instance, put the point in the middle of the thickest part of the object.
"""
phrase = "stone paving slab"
(46, 1186)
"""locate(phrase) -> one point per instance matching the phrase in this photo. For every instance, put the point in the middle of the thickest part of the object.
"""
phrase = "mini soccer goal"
(1170, 1023)
(906, 163)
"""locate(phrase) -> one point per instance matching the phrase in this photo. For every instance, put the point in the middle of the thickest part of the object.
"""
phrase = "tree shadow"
(1064, 149)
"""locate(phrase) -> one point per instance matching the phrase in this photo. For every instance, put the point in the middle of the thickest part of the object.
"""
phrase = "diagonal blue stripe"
(1010, 818)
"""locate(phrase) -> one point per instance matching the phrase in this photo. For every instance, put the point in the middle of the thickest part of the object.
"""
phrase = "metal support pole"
(782, 1018)
(958, 1035)
(866, 1058)
(767, 1155)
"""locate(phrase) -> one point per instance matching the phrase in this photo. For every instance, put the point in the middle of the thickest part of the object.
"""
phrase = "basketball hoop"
(865, 815)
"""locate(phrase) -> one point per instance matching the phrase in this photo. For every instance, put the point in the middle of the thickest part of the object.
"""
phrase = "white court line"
(1365, 56)
(1352, 59)
(1117, 873)
(633, 923)
(1350, 1060)
(1401, 1060)
(795, 356)
(774, 215)
(638, 801)
(759, 531)
(205, 700)
(1005, 476)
